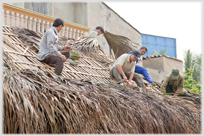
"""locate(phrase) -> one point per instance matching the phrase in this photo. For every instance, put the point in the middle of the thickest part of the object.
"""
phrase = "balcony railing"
(24, 18)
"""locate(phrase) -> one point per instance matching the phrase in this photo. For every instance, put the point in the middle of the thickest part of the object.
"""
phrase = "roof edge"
(121, 17)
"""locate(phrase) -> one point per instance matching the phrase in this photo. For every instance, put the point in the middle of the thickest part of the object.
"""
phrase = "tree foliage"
(190, 83)
(193, 62)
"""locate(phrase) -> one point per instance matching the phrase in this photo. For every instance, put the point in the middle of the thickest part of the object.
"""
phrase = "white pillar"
(70, 32)
(16, 19)
(11, 18)
(21, 20)
(25, 21)
(29, 23)
(42, 26)
(66, 32)
(34, 24)
(47, 25)
(38, 25)
(6, 17)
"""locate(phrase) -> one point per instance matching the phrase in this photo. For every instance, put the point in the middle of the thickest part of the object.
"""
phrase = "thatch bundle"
(37, 101)
(120, 44)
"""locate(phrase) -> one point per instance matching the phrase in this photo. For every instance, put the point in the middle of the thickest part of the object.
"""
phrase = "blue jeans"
(144, 72)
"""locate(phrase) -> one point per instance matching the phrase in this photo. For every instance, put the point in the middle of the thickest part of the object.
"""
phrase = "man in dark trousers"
(141, 70)
(50, 52)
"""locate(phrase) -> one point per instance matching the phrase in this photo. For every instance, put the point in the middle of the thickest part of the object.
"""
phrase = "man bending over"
(124, 67)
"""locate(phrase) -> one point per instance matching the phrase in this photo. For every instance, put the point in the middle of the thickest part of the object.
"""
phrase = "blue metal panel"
(151, 50)
(144, 37)
(161, 49)
(151, 39)
(159, 44)
(170, 42)
(160, 41)
(171, 52)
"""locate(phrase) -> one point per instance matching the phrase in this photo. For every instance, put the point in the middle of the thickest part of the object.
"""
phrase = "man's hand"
(124, 78)
(63, 58)
(105, 32)
(67, 48)
(175, 95)
(129, 83)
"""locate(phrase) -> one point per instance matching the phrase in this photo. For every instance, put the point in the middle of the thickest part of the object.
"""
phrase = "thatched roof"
(85, 99)
(20, 49)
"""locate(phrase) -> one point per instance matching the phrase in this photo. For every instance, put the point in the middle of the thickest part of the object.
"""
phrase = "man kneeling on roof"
(124, 67)
(174, 83)
(50, 52)
(141, 70)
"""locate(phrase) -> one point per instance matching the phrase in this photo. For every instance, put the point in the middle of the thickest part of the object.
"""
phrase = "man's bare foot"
(52, 65)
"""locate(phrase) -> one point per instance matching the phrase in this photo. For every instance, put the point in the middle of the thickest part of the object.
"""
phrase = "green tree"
(187, 60)
(190, 83)
(193, 62)
(197, 68)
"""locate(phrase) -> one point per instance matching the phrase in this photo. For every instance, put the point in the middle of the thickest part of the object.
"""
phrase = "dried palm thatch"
(21, 47)
(36, 101)
(120, 44)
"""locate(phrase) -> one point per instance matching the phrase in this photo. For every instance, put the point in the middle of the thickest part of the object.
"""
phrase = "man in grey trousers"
(50, 52)
(124, 68)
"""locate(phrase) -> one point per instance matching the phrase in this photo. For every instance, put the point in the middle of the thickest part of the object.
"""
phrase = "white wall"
(100, 15)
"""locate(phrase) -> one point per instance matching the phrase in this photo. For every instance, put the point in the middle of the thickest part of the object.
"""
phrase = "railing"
(24, 18)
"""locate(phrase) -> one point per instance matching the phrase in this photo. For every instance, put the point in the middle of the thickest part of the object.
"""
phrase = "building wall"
(89, 14)
(101, 15)
(160, 67)
(80, 13)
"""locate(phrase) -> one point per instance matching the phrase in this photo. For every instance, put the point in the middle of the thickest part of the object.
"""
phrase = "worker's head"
(175, 74)
(143, 50)
(134, 55)
(58, 24)
(99, 30)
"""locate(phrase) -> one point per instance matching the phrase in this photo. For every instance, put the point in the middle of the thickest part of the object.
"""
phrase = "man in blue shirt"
(141, 70)
(50, 52)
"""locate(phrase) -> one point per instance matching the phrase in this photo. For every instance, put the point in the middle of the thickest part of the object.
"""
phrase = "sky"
(180, 20)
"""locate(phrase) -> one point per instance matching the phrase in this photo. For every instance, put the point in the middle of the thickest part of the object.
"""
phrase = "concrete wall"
(170, 63)
(80, 13)
(101, 15)
(160, 67)
(89, 14)
(157, 75)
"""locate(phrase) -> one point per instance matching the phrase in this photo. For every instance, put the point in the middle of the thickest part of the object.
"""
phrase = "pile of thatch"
(37, 101)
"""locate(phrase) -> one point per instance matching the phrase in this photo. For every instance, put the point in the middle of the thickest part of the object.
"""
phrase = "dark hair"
(58, 22)
(101, 28)
(144, 47)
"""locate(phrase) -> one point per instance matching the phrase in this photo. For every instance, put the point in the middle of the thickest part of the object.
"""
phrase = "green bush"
(190, 83)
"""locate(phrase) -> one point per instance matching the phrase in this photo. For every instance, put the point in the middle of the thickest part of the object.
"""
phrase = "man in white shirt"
(99, 30)
(124, 68)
